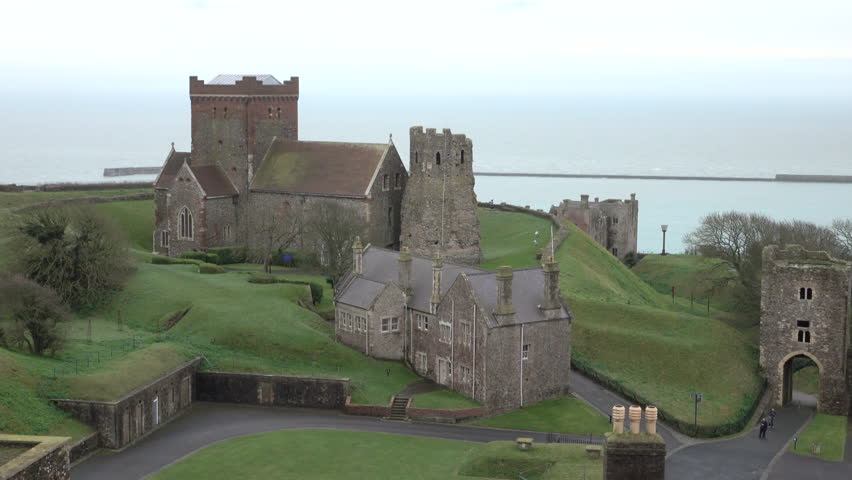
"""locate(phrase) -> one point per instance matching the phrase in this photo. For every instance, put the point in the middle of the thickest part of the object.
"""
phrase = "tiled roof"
(231, 79)
(319, 168)
(527, 293)
(170, 168)
(213, 181)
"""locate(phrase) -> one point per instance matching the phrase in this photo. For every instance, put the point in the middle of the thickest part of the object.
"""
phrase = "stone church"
(503, 339)
(247, 163)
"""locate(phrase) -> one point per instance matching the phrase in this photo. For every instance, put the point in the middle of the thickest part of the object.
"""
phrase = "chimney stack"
(651, 419)
(358, 257)
(618, 418)
(552, 304)
(437, 267)
(504, 308)
(632, 197)
(405, 271)
(635, 418)
(584, 201)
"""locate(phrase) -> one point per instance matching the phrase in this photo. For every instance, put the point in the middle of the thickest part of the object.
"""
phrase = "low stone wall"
(445, 416)
(84, 447)
(46, 459)
(273, 390)
(366, 410)
(86, 200)
(137, 414)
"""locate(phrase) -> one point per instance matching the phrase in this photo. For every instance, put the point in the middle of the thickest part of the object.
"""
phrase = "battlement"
(418, 131)
(247, 85)
(796, 254)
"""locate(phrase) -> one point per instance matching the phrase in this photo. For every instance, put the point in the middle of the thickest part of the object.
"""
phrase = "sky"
(744, 47)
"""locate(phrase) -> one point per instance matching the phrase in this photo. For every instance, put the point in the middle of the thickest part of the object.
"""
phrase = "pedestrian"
(763, 426)
(772, 414)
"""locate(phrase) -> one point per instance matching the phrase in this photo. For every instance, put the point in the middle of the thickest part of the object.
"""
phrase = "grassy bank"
(443, 400)
(827, 430)
(508, 238)
(564, 415)
(308, 453)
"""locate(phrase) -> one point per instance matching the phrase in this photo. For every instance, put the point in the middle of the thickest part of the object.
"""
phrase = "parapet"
(248, 85)
(796, 254)
(418, 131)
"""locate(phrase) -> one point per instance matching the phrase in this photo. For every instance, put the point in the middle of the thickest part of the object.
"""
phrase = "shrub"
(201, 256)
(265, 278)
(162, 260)
(262, 278)
(316, 293)
(229, 255)
(210, 268)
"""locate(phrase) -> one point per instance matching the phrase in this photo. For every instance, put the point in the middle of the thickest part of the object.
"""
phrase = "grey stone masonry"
(439, 204)
(804, 311)
(634, 456)
(611, 223)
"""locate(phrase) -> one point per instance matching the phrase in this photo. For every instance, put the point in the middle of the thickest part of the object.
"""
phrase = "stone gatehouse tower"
(804, 311)
(439, 204)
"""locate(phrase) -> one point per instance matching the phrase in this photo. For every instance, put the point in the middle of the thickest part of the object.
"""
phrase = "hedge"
(264, 278)
(210, 268)
(161, 260)
(229, 255)
(202, 256)
(744, 414)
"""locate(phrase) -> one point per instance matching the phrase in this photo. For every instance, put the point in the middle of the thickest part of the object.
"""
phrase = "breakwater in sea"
(781, 177)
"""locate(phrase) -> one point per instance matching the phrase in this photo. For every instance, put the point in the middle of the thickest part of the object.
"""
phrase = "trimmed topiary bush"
(162, 260)
(201, 256)
(262, 278)
(210, 268)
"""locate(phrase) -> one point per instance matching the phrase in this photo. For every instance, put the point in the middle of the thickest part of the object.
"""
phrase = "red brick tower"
(235, 117)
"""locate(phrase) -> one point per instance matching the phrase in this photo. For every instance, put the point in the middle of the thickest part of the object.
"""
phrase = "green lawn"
(564, 415)
(13, 200)
(361, 455)
(830, 431)
(443, 400)
(136, 218)
(661, 350)
(807, 380)
(507, 238)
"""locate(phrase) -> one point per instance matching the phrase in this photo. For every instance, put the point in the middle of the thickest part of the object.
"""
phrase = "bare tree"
(36, 314)
(275, 230)
(333, 228)
(842, 228)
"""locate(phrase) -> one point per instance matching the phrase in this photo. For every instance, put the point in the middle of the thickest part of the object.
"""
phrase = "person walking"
(763, 426)
(772, 414)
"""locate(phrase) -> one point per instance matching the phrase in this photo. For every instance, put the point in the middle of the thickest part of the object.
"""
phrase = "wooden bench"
(524, 443)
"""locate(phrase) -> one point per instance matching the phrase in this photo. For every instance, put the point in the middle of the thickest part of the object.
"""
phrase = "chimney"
(551, 304)
(358, 257)
(597, 199)
(635, 413)
(651, 419)
(584, 201)
(437, 266)
(504, 292)
(632, 197)
(618, 418)
(405, 271)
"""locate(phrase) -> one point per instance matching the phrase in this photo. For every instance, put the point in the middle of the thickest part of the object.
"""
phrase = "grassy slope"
(830, 431)
(635, 335)
(308, 452)
(507, 238)
(563, 414)
(443, 399)
(807, 380)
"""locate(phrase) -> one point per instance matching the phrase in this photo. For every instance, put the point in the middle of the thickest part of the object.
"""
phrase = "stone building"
(247, 163)
(503, 339)
(804, 311)
(611, 223)
(439, 205)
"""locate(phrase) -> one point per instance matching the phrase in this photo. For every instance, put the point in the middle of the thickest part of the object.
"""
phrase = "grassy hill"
(663, 351)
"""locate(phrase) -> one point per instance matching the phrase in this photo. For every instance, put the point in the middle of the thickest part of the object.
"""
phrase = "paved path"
(208, 423)
(742, 457)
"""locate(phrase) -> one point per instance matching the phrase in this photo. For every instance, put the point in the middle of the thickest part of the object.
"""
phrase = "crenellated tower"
(234, 119)
(439, 204)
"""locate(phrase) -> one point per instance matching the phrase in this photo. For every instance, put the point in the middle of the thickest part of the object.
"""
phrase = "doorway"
(801, 381)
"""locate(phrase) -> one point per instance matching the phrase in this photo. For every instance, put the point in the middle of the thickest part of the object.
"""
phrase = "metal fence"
(574, 439)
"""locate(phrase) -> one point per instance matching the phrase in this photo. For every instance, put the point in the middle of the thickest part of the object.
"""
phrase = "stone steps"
(399, 408)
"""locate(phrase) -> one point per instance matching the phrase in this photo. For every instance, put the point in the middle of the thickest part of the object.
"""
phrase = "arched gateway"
(804, 312)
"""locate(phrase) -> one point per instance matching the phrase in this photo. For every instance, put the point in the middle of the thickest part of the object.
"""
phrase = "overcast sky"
(783, 47)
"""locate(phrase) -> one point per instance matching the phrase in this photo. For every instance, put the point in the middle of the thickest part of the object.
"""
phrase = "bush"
(201, 256)
(229, 255)
(162, 260)
(210, 268)
(261, 278)
(265, 278)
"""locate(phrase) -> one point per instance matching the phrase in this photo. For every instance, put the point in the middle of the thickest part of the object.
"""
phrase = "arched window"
(437, 158)
(214, 112)
(810, 295)
(462, 157)
(185, 223)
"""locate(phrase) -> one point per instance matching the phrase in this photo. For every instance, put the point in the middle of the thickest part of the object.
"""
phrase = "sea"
(47, 138)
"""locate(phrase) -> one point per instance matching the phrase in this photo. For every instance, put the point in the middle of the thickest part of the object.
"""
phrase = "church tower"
(439, 204)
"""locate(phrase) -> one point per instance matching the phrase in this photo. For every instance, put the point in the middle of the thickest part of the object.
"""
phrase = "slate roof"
(213, 181)
(319, 168)
(231, 79)
(382, 266)
(170, 168)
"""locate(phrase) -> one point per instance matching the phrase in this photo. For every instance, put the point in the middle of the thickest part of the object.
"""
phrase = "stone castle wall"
(46, 458)
(439, 204)
(815, 327)
(272, 390)
(613, 224)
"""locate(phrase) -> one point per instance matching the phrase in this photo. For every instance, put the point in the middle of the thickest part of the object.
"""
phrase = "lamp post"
(698, 398)
(664, 227)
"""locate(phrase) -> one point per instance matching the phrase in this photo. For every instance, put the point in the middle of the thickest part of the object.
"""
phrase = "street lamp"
(664, 227)
(698, 397)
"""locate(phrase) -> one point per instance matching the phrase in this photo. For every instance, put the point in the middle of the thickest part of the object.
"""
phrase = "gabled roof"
(527, 294)
(320, 168)
(231, 79)
(213, 181)
(170, 168)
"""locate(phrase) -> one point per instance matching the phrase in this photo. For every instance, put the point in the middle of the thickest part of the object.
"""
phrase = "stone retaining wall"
(273, 390)
(137, 414)
(46, 459)
(366, 410)
(445, 416)
(84, 447)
